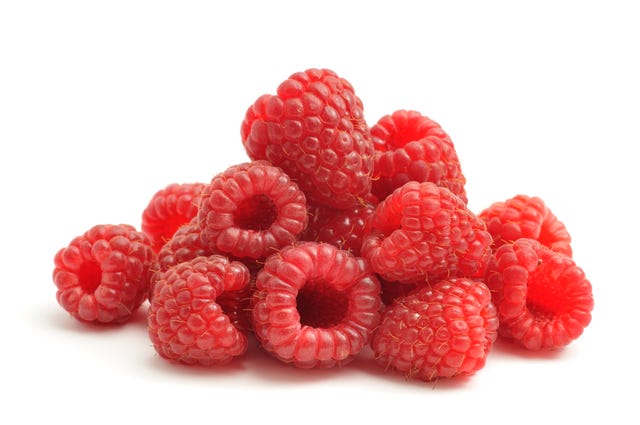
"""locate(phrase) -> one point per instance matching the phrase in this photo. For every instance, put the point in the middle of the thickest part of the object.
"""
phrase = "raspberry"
(424, 232)
(342, 228)
(438, 332)
(102, 276)
(185, 244)
(412, 147)
(251, 210)
(526, 216)
(543, 298)
(315, 305)
(186, 322)
(168, 209)
(314, 129)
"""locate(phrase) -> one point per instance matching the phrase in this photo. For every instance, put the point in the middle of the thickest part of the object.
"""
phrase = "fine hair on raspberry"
(251, 210)
(315, 305)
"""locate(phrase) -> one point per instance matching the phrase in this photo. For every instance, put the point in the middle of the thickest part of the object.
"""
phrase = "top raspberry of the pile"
(314, 129)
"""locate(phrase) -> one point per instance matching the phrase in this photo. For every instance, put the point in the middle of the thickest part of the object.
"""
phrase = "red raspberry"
(186, 322)
(251, 210)
(342, 228)
(103, 275)
(543, 298)
(526, 217)
(438, 332)
(314, 129)
(412, 147)
(424, 232)
(168, 209)
(315, 305)
(185, 245)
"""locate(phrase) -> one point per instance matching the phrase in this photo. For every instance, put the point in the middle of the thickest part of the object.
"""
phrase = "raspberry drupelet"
(251, 210)
(186, 321)
(544, 300)
(315, 305)
(412, 147)
(103, 275)
(314, 129)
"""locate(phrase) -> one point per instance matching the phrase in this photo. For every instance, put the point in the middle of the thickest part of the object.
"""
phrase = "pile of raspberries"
(334, 237)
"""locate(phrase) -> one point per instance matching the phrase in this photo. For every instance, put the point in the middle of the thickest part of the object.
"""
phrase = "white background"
(104, 103)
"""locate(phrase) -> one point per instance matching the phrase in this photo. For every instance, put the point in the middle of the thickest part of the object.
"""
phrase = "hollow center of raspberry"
(403, 136)
(90, 276)
(545, 300)
(256, 213)
(320, 305)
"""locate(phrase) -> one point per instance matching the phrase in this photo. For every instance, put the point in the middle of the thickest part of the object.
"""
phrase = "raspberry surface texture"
(524, 216)
(187, 323)
(412, 147)
(314, 129)
(102, 276)
(315, 306)
(343, 228)
(544, 300)
(438, 331)
(251, 210)
(170, 208)
(424, 232)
